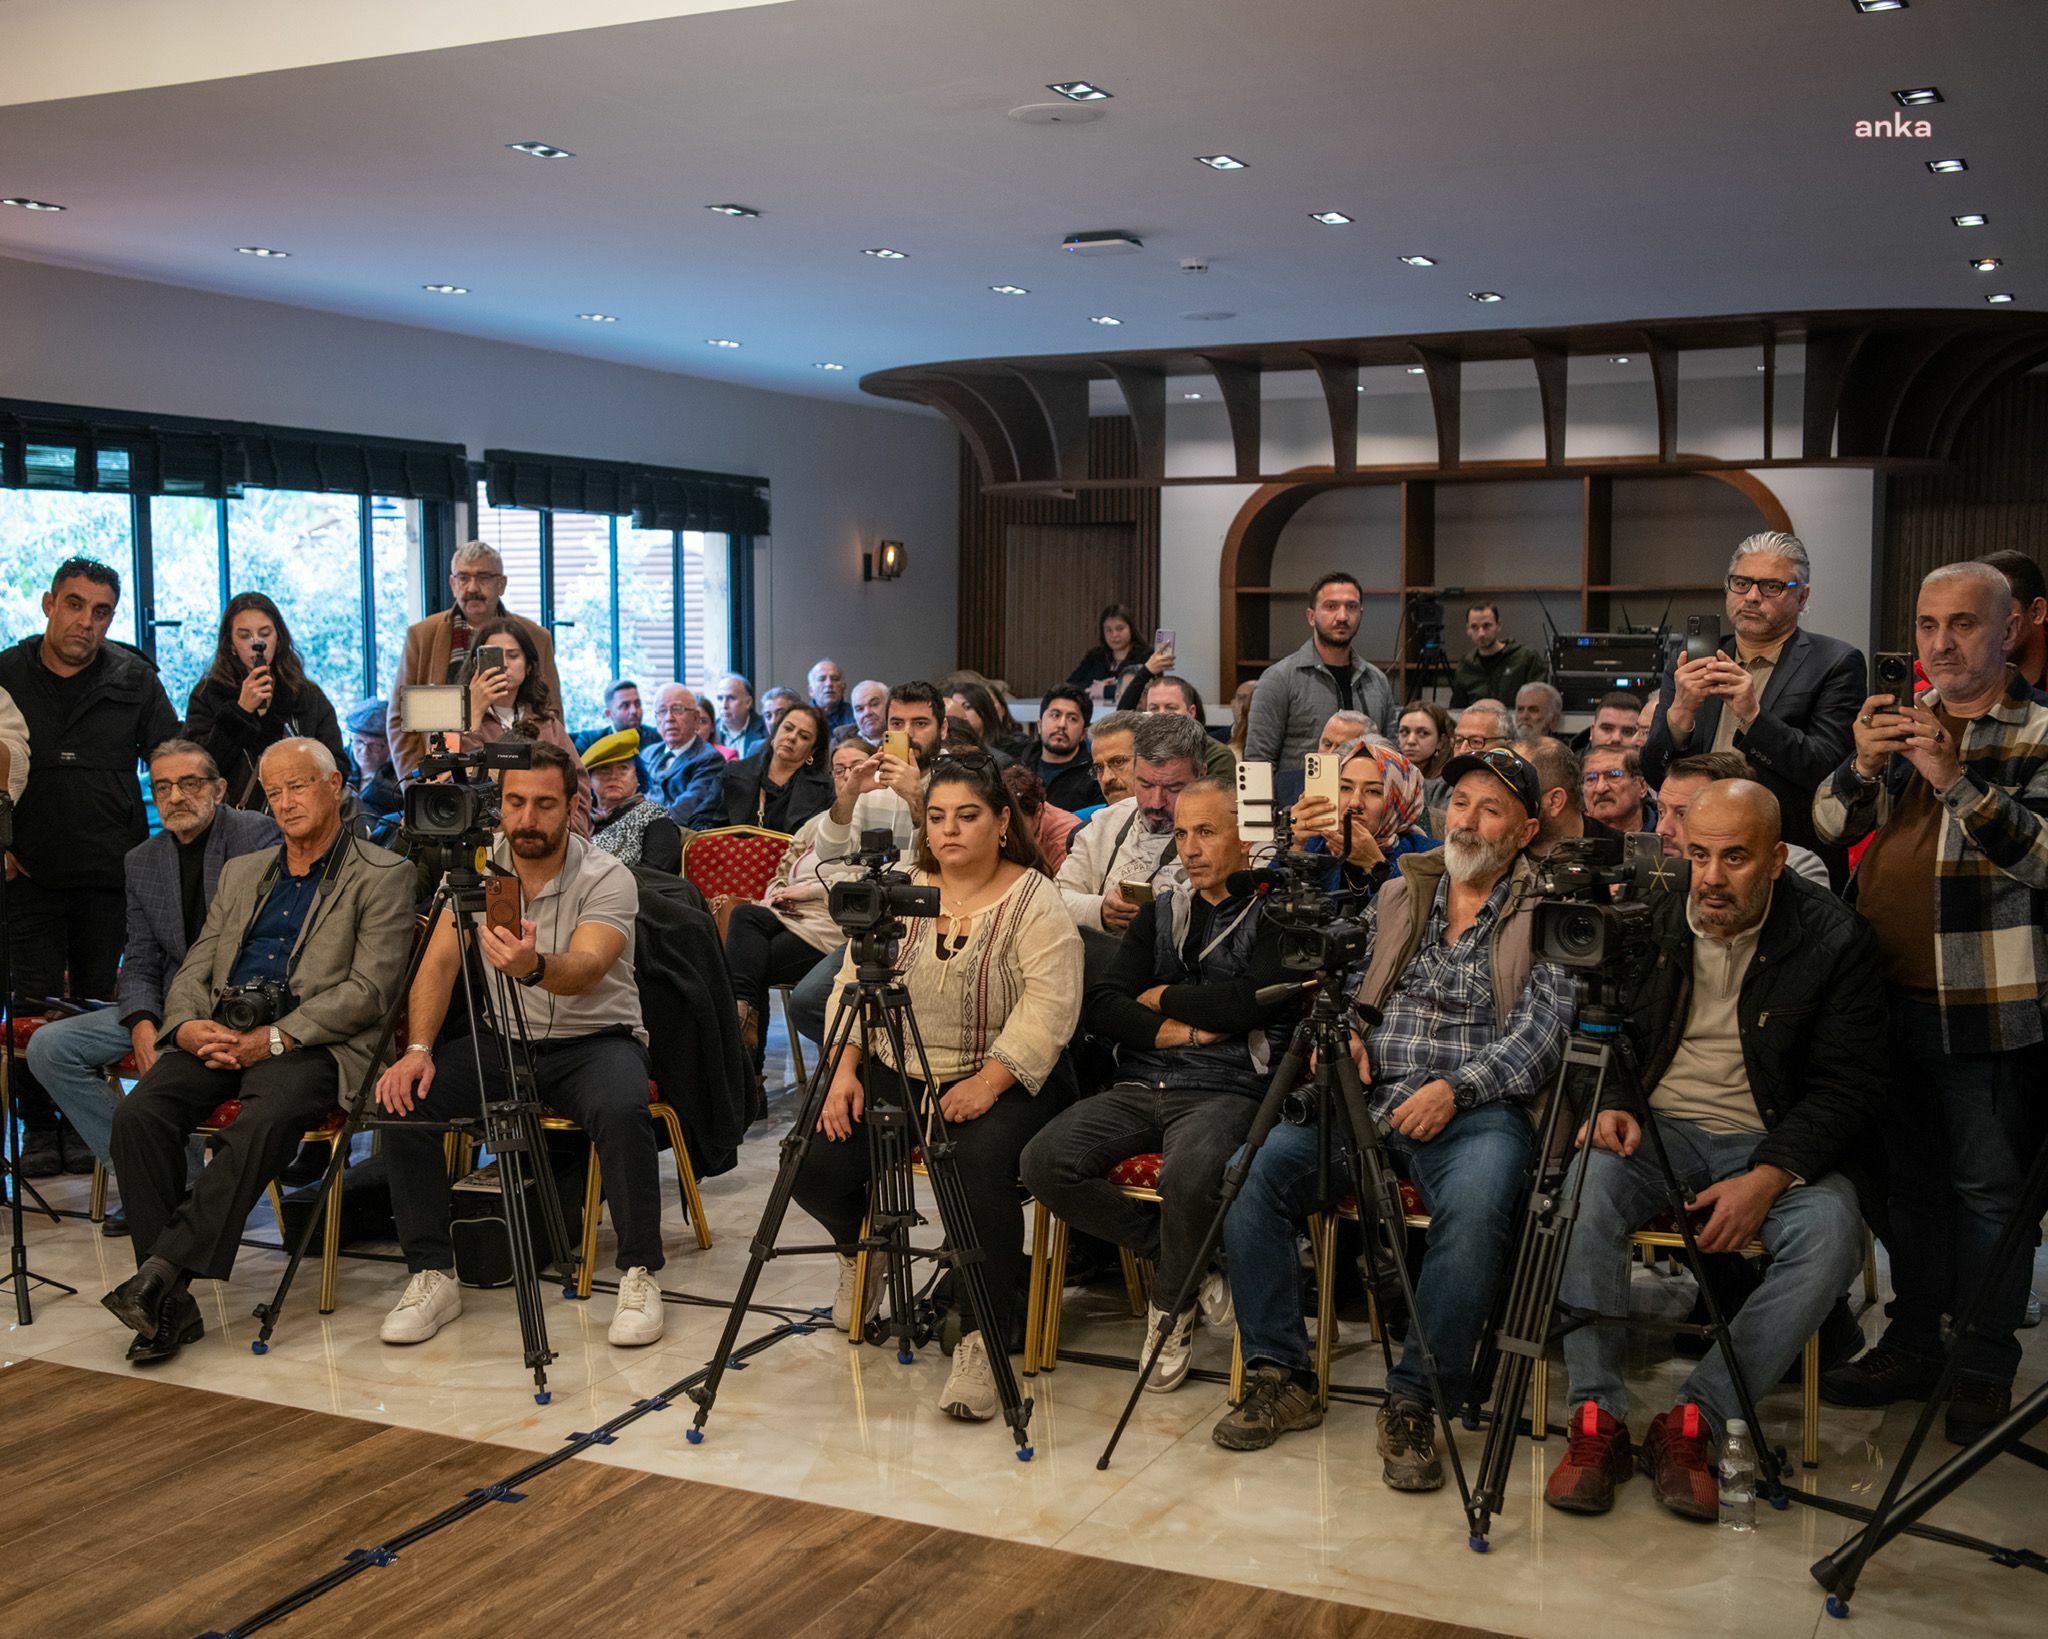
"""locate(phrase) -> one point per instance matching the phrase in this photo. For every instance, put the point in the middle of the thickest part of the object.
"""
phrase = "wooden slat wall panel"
(984, 619)
(1996, 498)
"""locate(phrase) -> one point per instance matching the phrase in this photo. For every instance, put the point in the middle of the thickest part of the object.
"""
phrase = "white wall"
(1833, 510)
(840, 476)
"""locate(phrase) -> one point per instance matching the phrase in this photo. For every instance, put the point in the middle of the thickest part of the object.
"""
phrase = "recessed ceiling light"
(263, 251)
(1760, 369)
(1947, 167)
(1330, 219)
(600, 318)
(1361, 386)
(1618, 358)
(1987, 264)
(31, 204)
(1009, 290)
(719, 341)
(1103, 318)
(1419, 261)
(540, 150)
(447, 290)
(1080, 91)
(1918, 97)
(1415, 370)
(2001, 298)
(828, 367)
(882, 253)
(1190, 395)
(1221, 162)
(1484, 295)
(733, 210)
(1970, 219)
(1879, 5)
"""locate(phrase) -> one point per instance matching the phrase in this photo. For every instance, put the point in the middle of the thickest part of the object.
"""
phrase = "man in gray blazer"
(329, 918)
(171, 880)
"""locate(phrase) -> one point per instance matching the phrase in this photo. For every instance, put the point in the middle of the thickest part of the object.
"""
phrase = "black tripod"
(874, 1009)
(1331, 1096)
(1528, 1323)
(1901, 1507)
(19, 1275)
(508, 1127)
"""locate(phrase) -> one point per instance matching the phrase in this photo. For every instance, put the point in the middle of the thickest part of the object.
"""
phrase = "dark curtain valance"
(49, 446)
(657, 497)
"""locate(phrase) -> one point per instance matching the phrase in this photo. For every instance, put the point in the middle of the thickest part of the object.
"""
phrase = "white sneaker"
(432, 1299)
(1219, 1310)
(1175, 1358)
(640, 1315)
(842, 1299)
(970, 1392)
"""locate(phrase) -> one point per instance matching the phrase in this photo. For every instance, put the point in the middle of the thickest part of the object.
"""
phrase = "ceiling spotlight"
(1618, 358)
(2000, 299)
(600, 318)
(1484, 295)
(263, 251)
(540, 150)
(828, 367)
(1190, 395)
(1361, 386)
(1415, 370)
(1009, 290)
(1947, 167)
(1969, 219)
(1761, 368)
(1103, 318)
(719, 341)
(1080, 91)
(733, 210)
(1419, 261)
(31, 204)
(1918, 97)
(1987, 264)
(1330, 219)
(882, 253)
(1879, 5)
(1221, 162)
(447, 290)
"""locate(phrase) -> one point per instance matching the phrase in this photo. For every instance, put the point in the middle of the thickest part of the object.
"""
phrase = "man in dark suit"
(1784, 697)
(329, 918)
(685, 775)
(171, 880)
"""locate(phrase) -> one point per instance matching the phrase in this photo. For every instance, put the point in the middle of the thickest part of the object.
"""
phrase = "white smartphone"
(1255, 804)
(1319, 777)
(1163, 641)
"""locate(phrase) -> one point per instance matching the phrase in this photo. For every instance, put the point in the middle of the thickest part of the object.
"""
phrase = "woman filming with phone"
(254, 694)
(510, 699)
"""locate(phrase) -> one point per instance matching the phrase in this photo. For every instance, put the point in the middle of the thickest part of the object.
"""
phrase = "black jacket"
(237, 738)
(1812, 1017)
(1067, 785)
(809, 792)
(693, 1032)
(82, 810)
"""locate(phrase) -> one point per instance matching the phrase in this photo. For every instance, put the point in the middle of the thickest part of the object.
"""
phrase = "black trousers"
(833, 1188)
(200, 1230)
(598, 1082)
(761, 953)
(61, 943)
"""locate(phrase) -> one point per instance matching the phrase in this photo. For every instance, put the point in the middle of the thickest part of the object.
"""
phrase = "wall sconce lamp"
(890, 565)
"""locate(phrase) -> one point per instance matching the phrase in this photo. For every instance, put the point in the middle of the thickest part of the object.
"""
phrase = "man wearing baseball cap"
(375, 784)
(1471, 1029)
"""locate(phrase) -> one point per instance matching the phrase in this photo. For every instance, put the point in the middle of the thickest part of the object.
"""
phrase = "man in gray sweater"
(1298, 693)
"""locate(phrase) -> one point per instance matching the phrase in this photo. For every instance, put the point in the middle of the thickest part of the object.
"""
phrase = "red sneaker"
(1598, 1459)
(1680, 1457)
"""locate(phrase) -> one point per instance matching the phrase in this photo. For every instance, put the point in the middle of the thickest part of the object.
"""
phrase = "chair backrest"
(734, 860)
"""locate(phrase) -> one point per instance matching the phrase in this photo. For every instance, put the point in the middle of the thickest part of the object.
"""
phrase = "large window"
(305, 551)
(39, 529)
(187, 549)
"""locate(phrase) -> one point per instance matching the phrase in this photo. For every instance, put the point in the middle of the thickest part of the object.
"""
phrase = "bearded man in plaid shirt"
(1955, 786)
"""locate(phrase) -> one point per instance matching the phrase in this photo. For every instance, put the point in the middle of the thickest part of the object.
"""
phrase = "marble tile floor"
(813, 1418)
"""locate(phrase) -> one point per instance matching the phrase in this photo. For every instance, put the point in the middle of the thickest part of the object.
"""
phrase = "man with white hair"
(437, 648)
(1782, 696)
(1539, 711)
(871, 709)
(1953, 790)
(827, 684)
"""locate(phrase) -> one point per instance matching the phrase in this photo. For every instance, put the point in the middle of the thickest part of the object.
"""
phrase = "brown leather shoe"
(1679, 1456)
(1598, 1459)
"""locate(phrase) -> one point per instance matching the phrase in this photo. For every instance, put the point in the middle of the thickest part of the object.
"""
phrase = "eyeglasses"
(1770, 589)
(462, 579)
(1479, 742)
(976, 762)
(192, 785)
(1616, 775)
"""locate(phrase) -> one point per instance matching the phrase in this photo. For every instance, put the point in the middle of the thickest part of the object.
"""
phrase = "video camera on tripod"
(1595, 897)
(452, 817)
(881, 894)
(1317, 928)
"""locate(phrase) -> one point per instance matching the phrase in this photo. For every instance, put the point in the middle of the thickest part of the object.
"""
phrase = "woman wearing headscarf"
(1378, 819)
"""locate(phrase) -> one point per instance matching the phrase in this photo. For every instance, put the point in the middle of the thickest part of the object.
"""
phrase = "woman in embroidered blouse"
(995, 984)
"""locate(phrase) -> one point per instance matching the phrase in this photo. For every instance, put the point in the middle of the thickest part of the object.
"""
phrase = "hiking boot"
(1680, 1457)
(1274, 1404)
(1408, 1446)
(1599, 1457)
(1879, 1376)
(1975, 1406)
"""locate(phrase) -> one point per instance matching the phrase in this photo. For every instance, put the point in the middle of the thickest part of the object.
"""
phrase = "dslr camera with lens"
(243, 1008)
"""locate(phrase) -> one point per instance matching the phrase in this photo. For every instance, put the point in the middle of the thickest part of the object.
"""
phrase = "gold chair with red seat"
(593, 1183)
(1137, 1176)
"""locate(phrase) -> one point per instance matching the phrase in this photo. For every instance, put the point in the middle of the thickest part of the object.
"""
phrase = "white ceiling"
(1590, 159)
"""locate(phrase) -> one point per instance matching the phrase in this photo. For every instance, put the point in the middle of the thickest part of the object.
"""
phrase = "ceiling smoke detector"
(1057, 113)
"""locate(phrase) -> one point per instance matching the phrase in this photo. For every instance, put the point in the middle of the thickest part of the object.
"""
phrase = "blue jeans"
(1814, 1235)
(810, 1002)
(69, 1057)
(1960, 1133)
(1472, 1176)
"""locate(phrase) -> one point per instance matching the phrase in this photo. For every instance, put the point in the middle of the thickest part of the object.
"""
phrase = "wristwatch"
(276, 1042)
(540, 968)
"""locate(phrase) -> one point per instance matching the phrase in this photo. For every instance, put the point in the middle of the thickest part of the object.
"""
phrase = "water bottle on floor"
(1738, 1478)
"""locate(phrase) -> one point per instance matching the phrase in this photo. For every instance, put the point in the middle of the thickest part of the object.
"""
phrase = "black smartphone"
(491, 659)
(1892, 674)
(1702, 636)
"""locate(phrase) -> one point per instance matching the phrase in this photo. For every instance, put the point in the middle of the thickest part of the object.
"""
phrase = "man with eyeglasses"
(171, 880)
(1784, 697)
(1615, 793)
(437, 648)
